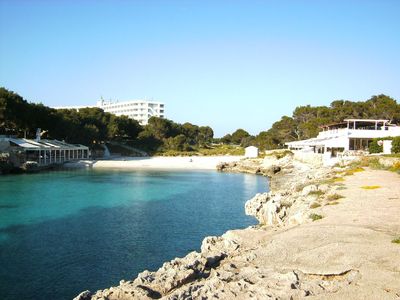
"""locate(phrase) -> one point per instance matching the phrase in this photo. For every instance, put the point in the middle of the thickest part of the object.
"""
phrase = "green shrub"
(395, 167)
(396, 240)
(396, 145)
(374, 147)
(333, 203)
(333, 197)
(315, 205)
(351, 171)
(315, 217)
(316, 193)
(333, 180)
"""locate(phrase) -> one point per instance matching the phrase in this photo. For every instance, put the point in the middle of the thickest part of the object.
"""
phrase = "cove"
(67, 231)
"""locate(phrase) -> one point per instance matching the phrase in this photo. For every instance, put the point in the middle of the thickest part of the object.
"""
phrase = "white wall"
(312, 158)
(251, 152)
(387, 146)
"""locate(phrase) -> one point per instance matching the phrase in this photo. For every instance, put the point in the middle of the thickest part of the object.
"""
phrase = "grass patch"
(353, 170)
(341, 188)
(338, 179)
(221, 150)
(370, 187)
(396, 240)
(333, 197)
(315, 205)
(392, 155)
(333, 180)
(373, 163)
(395, 167)
(315, 217)
(333, 203)
(279, 154)
(216, 150)
(316, 193)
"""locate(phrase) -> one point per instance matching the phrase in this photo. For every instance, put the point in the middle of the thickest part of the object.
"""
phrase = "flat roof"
(354, 120)
(333, 124)
(119, 102)
(366, 120)
(43, 144)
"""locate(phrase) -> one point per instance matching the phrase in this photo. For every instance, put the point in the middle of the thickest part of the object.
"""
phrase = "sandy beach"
(158, 162)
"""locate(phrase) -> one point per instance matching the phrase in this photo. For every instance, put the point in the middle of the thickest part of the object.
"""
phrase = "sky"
(226, 64)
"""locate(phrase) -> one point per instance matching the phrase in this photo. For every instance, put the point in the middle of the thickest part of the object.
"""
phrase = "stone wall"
(311, 158)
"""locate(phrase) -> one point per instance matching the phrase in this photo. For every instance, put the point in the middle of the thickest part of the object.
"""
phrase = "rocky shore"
(302, 246)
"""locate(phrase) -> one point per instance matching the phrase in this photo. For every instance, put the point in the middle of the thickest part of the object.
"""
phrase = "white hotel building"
(139, 110)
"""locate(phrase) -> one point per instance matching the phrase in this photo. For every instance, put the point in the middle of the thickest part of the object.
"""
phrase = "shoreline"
(157, 163)
(320, 234)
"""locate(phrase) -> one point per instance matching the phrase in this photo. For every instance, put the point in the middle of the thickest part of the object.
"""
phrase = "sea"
(63, 232)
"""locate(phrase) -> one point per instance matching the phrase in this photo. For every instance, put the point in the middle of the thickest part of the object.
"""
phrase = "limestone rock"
(284, 260)
(308, 189)
(86, 295)
(265, 208)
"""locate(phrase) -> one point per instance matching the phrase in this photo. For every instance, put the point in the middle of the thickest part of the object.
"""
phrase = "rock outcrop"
(269, 166)
(287, 256)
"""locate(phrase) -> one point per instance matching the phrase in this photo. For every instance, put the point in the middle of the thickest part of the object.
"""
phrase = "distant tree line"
(306, 121)
(163, 134)
(92, 126)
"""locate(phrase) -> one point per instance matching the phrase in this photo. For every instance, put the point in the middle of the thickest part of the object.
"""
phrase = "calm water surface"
(68, 231)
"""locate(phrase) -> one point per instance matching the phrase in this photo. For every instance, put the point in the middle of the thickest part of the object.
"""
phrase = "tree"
(205, 136)
(265, 141)
(248, 141)
(178, 143)
(161, 128)
(238, 136)
(383, 107)
(148, 142)
(123, 127)
(226, 139)
(191, 132)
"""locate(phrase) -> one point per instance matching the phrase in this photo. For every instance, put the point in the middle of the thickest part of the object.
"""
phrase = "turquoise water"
(67, 231)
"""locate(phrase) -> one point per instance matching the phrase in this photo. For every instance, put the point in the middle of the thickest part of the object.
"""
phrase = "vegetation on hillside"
(92, 126)
(306, 121)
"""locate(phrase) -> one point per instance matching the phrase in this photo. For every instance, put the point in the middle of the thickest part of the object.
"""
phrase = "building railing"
(361, 133)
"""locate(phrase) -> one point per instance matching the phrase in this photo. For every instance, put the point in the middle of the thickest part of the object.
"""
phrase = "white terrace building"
(139, 110)
(42, 151)
(350, 135)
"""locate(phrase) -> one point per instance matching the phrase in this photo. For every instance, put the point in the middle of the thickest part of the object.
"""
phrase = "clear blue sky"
(227, 64)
